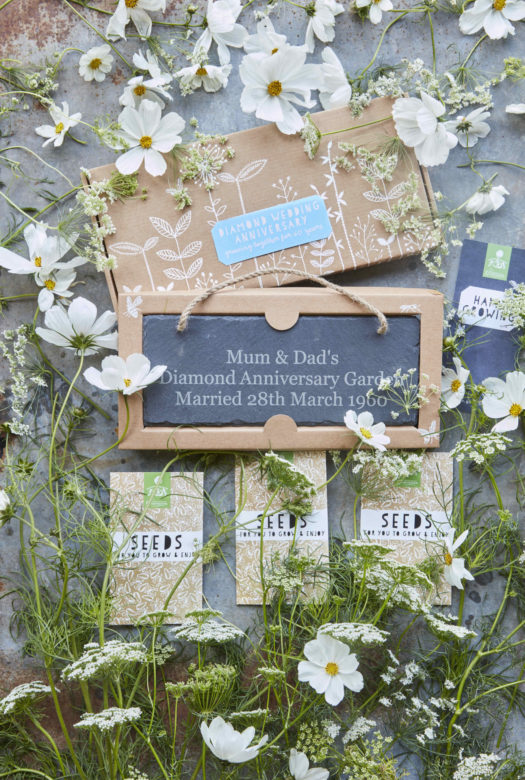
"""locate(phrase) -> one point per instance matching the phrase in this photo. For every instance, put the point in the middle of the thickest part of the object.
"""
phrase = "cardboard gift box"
(160, 248)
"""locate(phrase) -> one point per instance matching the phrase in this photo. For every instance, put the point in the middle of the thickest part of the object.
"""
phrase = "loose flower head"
(45, 254)
(57, 283)
(471, 127)
(368, 432)
(135, 11)
(495, 16)
(230, 745)
(265, 41)
(335, 91)
(106, 720)
(376, 8)
(210, 77)
(222, 27)
(78, 328)
(124, 376)
(453, 384)
(321, 21)
(22, 697)
(330, 668)
(62, 122)
(417, 124)
(149, 135)
(455, 570)
(504, 400)
(489, 197)
(96, 63)
(299, 767)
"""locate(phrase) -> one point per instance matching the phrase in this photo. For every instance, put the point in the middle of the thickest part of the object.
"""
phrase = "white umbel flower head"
(150, 135)
(417, 124)
(109, 659)
(62, 122)
(376, 8)
(455, 570)
(453, 384)
(135, 11)
(78, 328)
(495, 16)
(265, 41)
(488, 198)
(222, 27)
(23, 696)
(369, 432)
(471, 127)
(335, 91)
(57, 283)
(45, 254)
(230, 745)
(300, 767)
(273, 84)
(321, 21)
(505, 400)
(106, 720)
(125, 376)
(5, 501)
(515, 108)
(96, 63)
(210, 77)
(330, 668)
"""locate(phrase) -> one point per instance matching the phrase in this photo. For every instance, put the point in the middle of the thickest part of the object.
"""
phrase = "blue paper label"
(270, 230)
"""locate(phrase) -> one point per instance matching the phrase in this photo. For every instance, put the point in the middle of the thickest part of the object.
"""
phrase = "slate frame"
(281, 307)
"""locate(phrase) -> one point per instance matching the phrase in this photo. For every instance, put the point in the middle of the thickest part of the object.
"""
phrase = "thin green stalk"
(358, 127)
(378, 47)
(100, 35)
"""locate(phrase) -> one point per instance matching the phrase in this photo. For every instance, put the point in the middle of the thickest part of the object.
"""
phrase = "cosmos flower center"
(38, 261)
(59, 128)
(274, 51)
(140, 89)
(331, 668)
(127, 382)
(515, 410)
(275, 88)
(50, 284)
(365, 433)
(95, 64)
(146, 141)
(499, 5)
(201, 71)
(448, 558)
(131, 3)
(455, 385)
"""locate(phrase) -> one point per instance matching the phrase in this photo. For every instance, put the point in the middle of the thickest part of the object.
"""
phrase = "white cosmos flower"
(266, 40)
(299, 767)
(151, 65)
(417, 125)
(135, 11)
(78, 328)
(210, 77)
(504, 400)
(515, 108)
(222, 27)
(56, 283)
(335, 91)
(141, 87)
(62, 122)
(149, 134)
(5, 501)
(96, 63)
(369, 433)
(272, 84)
(45, 253)
(321, 22)
(489, 197)
(329, 668)
(471, 127)
(228, 744)
(455, 567)
(376, 8)
(453, 384)
(495, 16)
(126, 376)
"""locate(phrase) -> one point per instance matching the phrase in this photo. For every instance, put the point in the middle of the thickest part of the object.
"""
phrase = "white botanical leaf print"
(407, 307)
(174, 273)
(386, 241)
(379, 214)
(194, 268)
(182, 225)
(191, 249)
(168, 254)
(126, 248)
(322, 263)
(227, 177)
(398, 190)
(375, 197)
(251, 169)
(151, 242)
(162, 227)
(132, 306)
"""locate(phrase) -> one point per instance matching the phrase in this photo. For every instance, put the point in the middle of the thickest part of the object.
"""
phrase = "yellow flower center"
(95, 64)
(365, 433)
(499, 5)
(140, 89)
(59, 128)
(38, 261)
(201, 71)
(127, 382)
(275, 88)
(131, 3)
(515, 410)
(274, 51)
(50, 284)
(331, 669)
(146, 141)
(448, 558)
(455, 385)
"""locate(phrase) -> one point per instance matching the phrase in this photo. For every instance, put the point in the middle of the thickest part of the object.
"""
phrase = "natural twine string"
(184, 317)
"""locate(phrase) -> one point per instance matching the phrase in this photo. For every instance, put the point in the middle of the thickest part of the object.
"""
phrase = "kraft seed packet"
(485, 272)
(411, 516)
(156, 524)
(282, 531)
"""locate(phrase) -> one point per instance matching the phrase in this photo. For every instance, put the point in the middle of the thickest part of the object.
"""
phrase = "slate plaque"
(238, 370)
